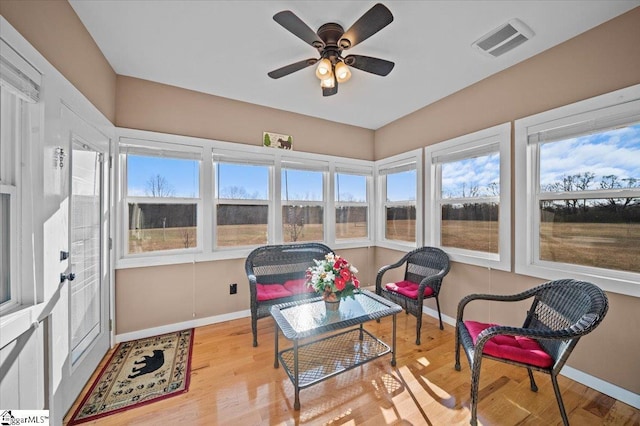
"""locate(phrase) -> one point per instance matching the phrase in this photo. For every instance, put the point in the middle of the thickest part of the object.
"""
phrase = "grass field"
(155, 239)
(471, 235)
(610, 246)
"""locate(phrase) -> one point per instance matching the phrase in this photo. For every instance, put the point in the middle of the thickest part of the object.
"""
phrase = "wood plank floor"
(233, 383)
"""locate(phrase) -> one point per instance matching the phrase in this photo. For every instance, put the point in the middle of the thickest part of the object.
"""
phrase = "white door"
(88, 273)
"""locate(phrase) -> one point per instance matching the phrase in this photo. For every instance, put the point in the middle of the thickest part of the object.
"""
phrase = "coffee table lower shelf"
(327, 357)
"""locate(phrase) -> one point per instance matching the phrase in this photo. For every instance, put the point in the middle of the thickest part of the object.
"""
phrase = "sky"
(615, 152)
(458, 177)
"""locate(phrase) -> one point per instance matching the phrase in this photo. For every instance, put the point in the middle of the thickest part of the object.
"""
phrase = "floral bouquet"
(334, 277)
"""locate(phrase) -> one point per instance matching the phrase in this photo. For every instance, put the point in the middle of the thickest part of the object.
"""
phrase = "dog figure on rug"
(150, 364)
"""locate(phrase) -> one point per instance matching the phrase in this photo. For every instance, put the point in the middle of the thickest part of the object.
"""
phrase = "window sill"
(396, 245)
(236, 253)
(477, 258)
(609, 283)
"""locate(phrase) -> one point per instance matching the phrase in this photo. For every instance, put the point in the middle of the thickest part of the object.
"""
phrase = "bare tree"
(188, 237)
(157, 186)
(295, 221)
(238, 193)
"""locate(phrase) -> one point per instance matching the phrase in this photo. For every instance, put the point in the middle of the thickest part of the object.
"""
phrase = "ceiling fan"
(330, 40)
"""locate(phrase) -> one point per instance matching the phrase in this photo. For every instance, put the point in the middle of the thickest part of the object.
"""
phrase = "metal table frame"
(312, 362)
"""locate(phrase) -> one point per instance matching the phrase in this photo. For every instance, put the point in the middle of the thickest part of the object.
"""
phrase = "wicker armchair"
(562, 311)
(424, 271)
(276, 275)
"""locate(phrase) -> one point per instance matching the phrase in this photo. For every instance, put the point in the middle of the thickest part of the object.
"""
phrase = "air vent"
(504, 38)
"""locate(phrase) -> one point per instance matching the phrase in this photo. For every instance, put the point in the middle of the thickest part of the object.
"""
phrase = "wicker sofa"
(276, 275)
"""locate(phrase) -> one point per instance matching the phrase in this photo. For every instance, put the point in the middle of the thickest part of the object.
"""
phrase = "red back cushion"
(514, 348)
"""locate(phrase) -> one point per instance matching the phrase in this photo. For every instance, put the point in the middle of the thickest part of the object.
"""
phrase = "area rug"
(139, 372)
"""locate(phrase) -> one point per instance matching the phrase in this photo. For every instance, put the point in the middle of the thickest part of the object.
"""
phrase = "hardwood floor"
(233, 383)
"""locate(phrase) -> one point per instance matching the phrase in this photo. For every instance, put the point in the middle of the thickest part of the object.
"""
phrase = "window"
(163, 201)
(302, 195)
(176, 208)
(468, 181)
(351, 204)
(19, 108)
(242, 200)
(399, 188)
(581, 211)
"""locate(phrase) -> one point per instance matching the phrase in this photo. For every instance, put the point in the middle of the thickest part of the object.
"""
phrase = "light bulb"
(328, 83)
(343, 73)
(323, 70)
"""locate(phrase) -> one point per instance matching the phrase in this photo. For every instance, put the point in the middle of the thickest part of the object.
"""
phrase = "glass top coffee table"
(318, 359)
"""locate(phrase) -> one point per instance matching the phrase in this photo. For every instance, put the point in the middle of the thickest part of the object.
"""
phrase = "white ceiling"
(226, 48)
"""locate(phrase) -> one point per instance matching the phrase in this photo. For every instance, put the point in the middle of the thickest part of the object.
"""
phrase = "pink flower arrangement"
(333, 276)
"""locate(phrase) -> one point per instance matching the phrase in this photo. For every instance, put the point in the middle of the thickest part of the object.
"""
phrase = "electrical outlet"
(233, 288)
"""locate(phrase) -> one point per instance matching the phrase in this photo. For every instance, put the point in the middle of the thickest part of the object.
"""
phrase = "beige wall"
(146, 105)
(602, 60)
(55, 30)
(161, 295)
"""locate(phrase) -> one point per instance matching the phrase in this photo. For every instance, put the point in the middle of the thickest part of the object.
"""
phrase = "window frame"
(382, 169)
(134, 148)
(246, 153)
(527, 260)
(241, 159)
(14, 180)
(486, 141)
(367, 173)
(322, 167)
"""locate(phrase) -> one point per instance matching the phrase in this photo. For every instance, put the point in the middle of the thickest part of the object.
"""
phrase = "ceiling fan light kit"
(331, 40)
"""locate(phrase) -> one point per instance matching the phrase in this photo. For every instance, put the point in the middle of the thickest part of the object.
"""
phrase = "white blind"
(354, 170)
(19, 76)
(236, 157)
(398, 167)
(585, 124)
(462, 153)
(159, 149)
(304, 164)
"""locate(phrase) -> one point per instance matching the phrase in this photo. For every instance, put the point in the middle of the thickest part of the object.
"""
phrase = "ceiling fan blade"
(288, 69)
(370, 23)
(293, 24)
(329, 91)
(369, 64)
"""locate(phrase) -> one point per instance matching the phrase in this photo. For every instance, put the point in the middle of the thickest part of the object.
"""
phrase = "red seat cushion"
(408, 289)
(298, 286)
(514, 348)
(271, 291)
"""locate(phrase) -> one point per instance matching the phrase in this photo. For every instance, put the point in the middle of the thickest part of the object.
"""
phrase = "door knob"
(70, 276)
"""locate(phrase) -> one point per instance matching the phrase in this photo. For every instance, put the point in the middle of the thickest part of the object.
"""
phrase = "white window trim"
(458, 148)
(414, 156)
(240, 158)
(167, 149)
(207, 252)
(14, 225)
(367, 172)
(526, 210)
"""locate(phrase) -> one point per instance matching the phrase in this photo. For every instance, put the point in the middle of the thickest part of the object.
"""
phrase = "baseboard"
(170, 328)
(621, 394)
(593, 382)
(445, 318)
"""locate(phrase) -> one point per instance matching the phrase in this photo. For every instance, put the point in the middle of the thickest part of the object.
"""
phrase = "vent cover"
(504, 38)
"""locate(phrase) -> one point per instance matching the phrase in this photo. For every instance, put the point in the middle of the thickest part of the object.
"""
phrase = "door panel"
(88, 272)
